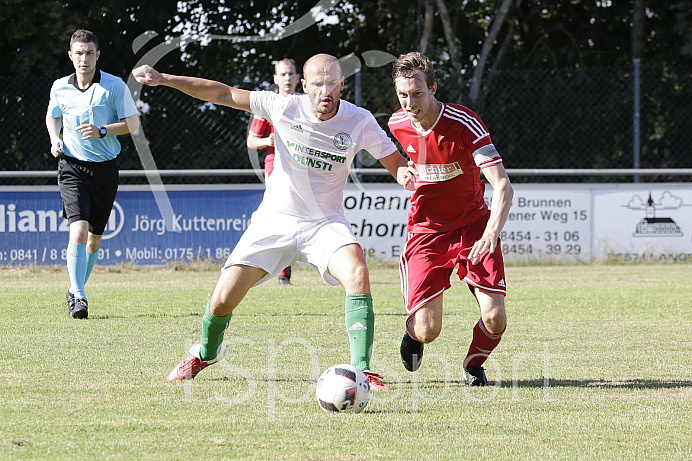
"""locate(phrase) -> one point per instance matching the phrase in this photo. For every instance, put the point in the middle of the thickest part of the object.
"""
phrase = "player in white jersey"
(301, 217)
(261, 133)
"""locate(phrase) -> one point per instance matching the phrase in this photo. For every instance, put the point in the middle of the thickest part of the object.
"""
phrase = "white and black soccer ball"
(343, 388)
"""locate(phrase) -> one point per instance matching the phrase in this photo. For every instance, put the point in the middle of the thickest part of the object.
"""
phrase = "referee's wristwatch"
(102, 131)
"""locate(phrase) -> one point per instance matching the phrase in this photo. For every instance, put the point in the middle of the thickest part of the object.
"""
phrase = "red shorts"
(428, 260)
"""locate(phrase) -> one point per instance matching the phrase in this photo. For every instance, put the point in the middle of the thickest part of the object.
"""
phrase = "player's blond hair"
(409, 63)
(285, 61)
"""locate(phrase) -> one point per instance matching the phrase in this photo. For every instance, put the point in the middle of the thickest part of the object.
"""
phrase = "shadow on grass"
(432, 384)
(625, 383)
(143, 316)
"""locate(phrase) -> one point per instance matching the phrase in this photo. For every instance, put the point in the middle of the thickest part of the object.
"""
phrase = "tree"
(487, 46)
(682, 11)
(35, 36)
(464, 38)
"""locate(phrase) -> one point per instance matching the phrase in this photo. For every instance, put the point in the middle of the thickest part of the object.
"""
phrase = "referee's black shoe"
(78, 308)
(411, 352)
(475, 376)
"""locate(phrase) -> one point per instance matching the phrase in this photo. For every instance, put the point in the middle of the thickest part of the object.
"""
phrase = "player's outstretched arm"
(398, 167)
(207, 90)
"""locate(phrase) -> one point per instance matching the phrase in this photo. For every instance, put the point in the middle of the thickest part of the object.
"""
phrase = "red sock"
(286, 272)
(482, 345)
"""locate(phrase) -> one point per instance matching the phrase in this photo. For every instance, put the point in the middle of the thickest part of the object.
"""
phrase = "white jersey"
(313, 157)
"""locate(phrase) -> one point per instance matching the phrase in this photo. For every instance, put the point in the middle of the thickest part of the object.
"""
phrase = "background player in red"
(449, 223)
(261, 135)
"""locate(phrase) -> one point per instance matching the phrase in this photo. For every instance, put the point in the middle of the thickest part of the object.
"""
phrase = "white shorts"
(275, 240)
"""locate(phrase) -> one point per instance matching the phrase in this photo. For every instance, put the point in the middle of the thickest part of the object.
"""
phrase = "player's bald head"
(323, 81)
(324, 64)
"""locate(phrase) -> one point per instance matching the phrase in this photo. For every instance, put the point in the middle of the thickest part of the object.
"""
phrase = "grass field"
(596, 364)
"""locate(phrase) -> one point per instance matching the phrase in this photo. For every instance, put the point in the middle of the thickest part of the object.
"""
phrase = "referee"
(91, 108)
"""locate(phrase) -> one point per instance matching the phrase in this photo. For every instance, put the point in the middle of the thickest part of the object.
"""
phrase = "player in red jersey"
(261, 135)
(449, 223)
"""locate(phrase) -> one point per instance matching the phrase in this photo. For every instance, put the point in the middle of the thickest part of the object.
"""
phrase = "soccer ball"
(343, 388)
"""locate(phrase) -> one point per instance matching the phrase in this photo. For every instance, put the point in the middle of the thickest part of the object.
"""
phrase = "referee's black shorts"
(88, 191)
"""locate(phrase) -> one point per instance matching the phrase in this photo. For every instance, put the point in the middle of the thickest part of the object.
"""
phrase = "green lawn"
(596, 364)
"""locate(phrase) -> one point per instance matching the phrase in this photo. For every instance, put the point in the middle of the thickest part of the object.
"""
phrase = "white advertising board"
(377, 213)
(644, 223)
(551, 222)
(547, 224)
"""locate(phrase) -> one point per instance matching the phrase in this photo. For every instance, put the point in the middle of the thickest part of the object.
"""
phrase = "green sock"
(212, 333)
(360, 324)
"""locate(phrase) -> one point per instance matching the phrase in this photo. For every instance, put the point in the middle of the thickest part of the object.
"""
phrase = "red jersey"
(449, 158)
(261, 128)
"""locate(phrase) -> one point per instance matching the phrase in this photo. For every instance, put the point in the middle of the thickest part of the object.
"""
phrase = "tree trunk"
(427, 25)
(485, 51)
(451, 43)
(448, 30)
(509, 37)
(504, 47)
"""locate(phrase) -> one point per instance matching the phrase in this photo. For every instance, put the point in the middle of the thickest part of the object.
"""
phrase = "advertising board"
(547, 223)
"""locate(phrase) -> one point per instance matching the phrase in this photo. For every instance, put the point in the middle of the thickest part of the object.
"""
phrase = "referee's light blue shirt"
(107, 100)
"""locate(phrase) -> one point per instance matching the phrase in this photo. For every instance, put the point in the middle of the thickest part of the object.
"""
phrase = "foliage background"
(556, 88)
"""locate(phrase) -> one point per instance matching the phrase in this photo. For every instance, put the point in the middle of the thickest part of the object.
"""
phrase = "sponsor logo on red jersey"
(431, 172)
